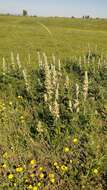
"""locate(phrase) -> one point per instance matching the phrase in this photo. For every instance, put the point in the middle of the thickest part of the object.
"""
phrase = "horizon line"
(3, 13)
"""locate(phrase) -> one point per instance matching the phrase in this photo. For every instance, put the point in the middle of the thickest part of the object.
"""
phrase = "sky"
(78, 8)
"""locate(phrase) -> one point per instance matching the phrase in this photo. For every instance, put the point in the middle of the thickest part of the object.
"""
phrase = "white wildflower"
(85, 86)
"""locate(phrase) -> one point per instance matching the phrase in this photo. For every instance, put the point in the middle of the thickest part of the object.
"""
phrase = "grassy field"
(69, 36)
(53, 105)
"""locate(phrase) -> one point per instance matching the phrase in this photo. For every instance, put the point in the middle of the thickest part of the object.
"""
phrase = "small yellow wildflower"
(95, 171)
(66, 149)
(64, 168)
(33, 162)
(55, 163)
(22, 118)
(10, 103)
(15, 184)
(41, 168)
(35, 188)
(57, 167)
(32, 175)
(30, 187)
(41, 175)
(75, 140)
(19, 169)
(4, 166)
(19, 97)
(52, 180)
(51, 175)
(39, 184)
(5, 155)
(10, 176)
(26, 180)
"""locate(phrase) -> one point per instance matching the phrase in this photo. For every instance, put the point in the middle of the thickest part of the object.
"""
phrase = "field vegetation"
(53, 104)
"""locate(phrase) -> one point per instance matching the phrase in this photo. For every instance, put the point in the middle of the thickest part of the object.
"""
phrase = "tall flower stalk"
(18, 62)
(76, 100)
(12, 61)
(26, 80)
(4, 66)
(85, 86)
(47, 82)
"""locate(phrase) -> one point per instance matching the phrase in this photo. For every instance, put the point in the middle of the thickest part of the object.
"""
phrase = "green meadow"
(68, 36)
(53, 103)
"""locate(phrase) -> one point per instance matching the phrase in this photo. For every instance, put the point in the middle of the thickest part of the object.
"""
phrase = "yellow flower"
(41, 168)
(30, 187)
(64, 168)
(4, 166)
(32, 175)
(15, 184)
(26, 180)
(19, 97)
(5, 155)
(35, 188)
(10, 176)
(66, 149)
(39, 184)
(10, 103)
(21, 117)
(52, 180)
(75, 140)
(95, 171)
(57, 167)
(19, 169)
(41, 175)
(33, 162)
(51, 175)
(55, 164)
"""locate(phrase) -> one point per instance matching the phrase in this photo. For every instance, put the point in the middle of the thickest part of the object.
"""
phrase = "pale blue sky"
(56, 7)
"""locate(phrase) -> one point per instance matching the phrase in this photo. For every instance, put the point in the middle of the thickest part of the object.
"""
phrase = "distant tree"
(86, 17)
(25, 13)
